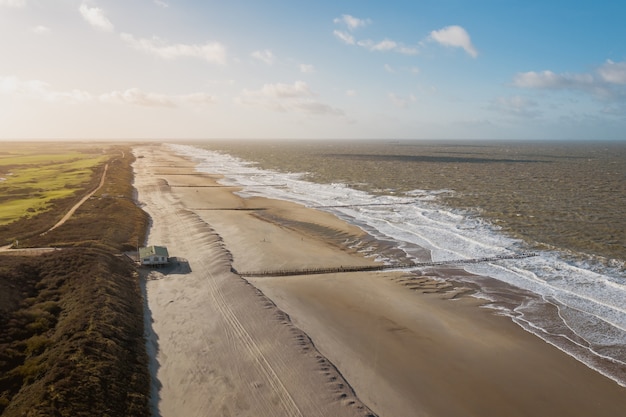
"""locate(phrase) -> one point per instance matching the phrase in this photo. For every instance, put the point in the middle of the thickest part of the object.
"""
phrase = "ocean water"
(569, 295)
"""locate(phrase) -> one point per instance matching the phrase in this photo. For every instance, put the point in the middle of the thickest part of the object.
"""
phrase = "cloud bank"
(608, 81)
(42, 91)
(280, 97)
(213, 52)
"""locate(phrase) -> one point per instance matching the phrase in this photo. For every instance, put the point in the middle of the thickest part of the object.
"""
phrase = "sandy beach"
(352, 344)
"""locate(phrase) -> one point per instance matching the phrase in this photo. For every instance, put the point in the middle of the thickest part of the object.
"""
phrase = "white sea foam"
(591, 300)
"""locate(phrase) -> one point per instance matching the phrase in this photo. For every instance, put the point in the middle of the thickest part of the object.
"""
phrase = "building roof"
(153, 250)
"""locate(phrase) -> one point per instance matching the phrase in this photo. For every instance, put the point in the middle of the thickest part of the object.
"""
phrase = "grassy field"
(71, 321)
(44, 186)
(34, 176)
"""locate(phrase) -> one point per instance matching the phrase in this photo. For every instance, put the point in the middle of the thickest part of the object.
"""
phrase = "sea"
(446, 201)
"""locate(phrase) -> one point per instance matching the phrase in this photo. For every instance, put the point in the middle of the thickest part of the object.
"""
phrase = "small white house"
(153, 256)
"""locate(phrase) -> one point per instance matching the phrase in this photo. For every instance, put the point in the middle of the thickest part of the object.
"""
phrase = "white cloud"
(382, 46)
(306, 68)
(96, 18)
(212, 52)
(454, 36)
(161, 3)
(137, 97)
(279, 90)
(352, 22)
(315, 107)
(389, 69)
(41, 30)
(613, 72)
(551, 80)
(385, 45)
(532, 79)
(264, 56)
(13, 3)
(40, 90)
(351, 93)
(607, 82)
(344, 37)
(296, 97)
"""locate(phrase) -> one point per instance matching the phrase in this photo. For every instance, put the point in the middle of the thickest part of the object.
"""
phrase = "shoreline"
(403, 352)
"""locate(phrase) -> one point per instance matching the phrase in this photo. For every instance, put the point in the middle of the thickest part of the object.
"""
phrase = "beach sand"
(351, 344)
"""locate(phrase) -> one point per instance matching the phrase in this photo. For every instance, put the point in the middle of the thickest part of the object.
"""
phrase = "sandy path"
(71, 212)
(225, 349)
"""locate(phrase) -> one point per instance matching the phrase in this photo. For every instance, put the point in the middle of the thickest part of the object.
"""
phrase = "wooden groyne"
(227, 186)
(409, 265)
(203, 186)
(191, 174)
(230, 208)
(364, 205)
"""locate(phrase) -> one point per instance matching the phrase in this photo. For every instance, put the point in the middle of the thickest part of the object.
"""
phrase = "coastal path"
(71, 212)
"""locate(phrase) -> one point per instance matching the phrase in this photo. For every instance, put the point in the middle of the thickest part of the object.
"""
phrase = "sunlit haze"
(450, 69)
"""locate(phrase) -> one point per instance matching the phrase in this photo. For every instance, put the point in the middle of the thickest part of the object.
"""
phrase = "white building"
(153, 256)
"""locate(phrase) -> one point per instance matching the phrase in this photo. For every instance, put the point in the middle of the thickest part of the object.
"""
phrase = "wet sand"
(338, 344)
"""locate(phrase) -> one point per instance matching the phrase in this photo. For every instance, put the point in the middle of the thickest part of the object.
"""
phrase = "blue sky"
(444, 69)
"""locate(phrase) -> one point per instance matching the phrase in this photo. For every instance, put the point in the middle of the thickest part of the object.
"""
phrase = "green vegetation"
(71, 321)
(109, 219)
(35, 177)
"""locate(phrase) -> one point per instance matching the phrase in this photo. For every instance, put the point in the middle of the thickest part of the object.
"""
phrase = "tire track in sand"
(235, 328)
(274, 380)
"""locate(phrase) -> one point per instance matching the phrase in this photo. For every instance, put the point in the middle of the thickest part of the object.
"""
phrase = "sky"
(418, 69)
